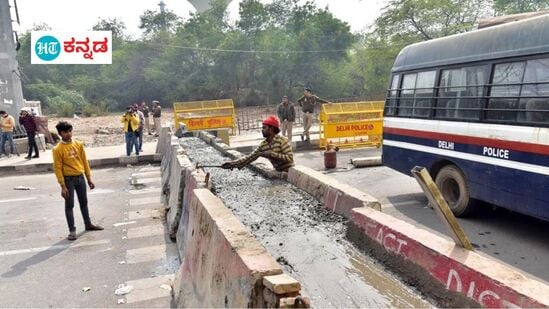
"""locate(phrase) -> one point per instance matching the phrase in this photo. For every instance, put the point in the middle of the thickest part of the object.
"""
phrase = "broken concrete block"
(281, 284)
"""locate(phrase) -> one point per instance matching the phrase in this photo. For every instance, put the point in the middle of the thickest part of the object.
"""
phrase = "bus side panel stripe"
(518, 156)
(480, 141)
(471, 157)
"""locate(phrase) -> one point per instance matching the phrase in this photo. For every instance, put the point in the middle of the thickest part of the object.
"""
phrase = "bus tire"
(451, 183)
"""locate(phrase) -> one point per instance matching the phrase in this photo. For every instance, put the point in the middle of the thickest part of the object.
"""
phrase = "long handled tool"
(198, 165)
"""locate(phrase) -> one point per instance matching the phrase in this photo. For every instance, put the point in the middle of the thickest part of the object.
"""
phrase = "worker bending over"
(275, 148)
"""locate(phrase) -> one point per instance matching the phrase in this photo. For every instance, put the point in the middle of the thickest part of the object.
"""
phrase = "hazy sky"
(71, 15)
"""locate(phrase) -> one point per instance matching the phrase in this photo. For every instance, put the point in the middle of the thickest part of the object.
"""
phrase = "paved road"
(515, 239)
(40, 268)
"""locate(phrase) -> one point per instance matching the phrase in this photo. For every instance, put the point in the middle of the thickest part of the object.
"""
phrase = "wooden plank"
(442, 209)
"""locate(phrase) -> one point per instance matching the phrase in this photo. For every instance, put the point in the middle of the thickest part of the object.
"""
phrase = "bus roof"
(525, 37)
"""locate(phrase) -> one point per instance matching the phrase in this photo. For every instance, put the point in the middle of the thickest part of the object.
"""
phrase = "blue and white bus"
(474, 109)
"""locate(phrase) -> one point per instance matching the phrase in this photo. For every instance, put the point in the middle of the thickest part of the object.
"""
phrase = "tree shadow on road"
(38, 258)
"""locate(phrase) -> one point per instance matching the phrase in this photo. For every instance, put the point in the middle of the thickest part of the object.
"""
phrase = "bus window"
(534, 101)
(503, 102)
(406, 101)
(461, 91)
(417, 94)
(392, 96)
(424, 94)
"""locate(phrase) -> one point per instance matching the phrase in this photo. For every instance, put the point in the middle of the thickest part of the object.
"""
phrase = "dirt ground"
(103, 130)
(107, 130)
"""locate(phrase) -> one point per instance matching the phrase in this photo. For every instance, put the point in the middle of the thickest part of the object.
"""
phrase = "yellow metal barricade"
(205, 115)
(351, 124)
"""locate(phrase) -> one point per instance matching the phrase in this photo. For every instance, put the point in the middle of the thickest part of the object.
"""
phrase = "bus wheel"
(452, 185)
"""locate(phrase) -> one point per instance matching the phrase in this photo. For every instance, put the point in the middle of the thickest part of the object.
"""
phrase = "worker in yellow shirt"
(7, 124)
(70, 166)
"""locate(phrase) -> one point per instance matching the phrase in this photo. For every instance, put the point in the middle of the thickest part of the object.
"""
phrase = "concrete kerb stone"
(166, 167)
(33, 168)
(177, 189)
(104, 162)
(163, 140)
(94, 163)
(224, 264)
(8, 170)
(192, 179)
(336, 196)
(420, 254)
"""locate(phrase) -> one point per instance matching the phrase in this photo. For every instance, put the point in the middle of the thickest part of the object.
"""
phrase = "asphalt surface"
(40, 268)
(517, 240)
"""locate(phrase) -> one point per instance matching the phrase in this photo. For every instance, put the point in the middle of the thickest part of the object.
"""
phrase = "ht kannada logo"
(47, 48)
(87, 47)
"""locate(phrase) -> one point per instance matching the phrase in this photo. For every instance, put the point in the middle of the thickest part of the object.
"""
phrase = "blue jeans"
(140, 139)
(6, 136)
(131, 141)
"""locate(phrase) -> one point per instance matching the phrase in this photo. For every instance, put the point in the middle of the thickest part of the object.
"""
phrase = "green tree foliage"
(152, 22)
(429, 19)
(505, 7)
(116, 26)
(275, 48)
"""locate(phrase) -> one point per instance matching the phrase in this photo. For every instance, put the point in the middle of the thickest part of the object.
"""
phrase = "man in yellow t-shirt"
(70, 166)
(7, 124)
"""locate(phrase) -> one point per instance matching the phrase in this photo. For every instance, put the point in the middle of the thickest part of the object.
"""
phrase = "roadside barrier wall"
(429, 258)
(170, 152)
(180, 165)
(336, 196)
(222, 264)
(448, 273)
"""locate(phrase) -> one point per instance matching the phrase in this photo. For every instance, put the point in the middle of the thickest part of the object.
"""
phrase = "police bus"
(474, 109)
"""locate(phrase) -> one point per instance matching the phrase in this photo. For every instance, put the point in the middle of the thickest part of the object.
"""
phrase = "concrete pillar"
(11, 93)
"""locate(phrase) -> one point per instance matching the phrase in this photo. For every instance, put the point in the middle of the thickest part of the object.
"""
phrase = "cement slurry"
(308, 240)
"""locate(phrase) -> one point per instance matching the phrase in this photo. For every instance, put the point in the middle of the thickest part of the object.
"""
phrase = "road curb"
(25, 169)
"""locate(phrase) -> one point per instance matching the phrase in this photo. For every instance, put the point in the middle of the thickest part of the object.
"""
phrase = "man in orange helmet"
(275, 148)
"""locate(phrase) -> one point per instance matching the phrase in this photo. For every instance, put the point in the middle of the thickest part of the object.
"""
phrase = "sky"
(81, 15)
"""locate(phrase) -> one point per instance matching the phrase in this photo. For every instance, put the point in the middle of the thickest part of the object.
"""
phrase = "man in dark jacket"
(308, 102)
(286, 114)
(28, 122)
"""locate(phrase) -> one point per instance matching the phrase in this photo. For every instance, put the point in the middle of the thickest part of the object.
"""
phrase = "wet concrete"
(304, 237)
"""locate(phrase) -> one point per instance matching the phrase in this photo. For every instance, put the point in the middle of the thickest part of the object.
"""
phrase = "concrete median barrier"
(193, 179)
(170, 152)
(223, 265)
(336, 196)
(180, 164)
